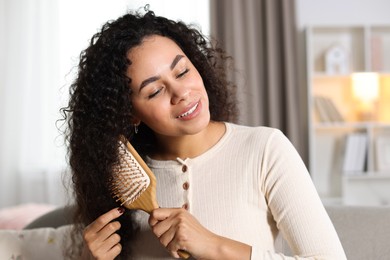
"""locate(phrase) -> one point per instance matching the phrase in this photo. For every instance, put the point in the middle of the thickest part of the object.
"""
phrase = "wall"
(345, 12)
(75, 30)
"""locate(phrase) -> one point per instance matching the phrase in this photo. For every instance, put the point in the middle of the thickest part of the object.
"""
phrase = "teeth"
(189, 111)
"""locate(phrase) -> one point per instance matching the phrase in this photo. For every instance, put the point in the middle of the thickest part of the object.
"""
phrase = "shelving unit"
(333, 54)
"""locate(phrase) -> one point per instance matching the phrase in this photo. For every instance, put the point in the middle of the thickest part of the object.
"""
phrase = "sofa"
(364, 233)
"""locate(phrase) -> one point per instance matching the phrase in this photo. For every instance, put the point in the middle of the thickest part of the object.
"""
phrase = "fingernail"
(121, 210)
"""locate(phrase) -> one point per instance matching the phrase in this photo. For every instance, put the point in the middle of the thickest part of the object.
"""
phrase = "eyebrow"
(176, 60)
(155, 78)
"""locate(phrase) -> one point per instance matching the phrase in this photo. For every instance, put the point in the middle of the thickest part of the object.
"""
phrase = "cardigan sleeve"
(295, 205)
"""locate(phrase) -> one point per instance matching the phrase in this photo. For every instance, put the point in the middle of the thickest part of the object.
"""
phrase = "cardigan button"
(185, 206)
(184, 168)
(186, 185)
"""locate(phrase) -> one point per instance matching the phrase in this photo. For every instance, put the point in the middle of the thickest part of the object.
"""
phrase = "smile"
(189, 112)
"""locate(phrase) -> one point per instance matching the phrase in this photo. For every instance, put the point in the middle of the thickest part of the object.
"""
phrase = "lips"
(190, 111)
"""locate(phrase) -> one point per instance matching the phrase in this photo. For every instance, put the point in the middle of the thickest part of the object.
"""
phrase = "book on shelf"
(327, 110)
(377, 54)
(355, 153)
(382, 145)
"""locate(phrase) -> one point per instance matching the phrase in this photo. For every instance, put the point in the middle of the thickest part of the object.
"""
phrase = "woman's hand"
(100, 238)
(178, 230)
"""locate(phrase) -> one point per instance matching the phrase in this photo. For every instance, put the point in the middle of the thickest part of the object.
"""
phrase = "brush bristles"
(129, 180)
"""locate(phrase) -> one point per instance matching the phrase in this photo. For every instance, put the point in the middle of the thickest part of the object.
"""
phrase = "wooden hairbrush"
(133, 184)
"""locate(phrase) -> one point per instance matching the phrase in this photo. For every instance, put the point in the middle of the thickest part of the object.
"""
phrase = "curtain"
(260, 35)
(32, 157)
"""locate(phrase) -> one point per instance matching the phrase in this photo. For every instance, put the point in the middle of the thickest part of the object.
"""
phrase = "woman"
(225, 190)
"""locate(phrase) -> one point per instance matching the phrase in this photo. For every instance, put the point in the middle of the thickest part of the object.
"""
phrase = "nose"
(179, 93)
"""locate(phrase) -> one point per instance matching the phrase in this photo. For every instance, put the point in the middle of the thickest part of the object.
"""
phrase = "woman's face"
(168, 91)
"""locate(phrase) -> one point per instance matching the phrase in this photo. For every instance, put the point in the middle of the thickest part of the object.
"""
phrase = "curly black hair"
(100, 107)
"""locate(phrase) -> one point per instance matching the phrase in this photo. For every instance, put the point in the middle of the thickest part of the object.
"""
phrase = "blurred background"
(40, 41)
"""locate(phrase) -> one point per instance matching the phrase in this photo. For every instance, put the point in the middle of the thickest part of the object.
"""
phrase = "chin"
(203, 124)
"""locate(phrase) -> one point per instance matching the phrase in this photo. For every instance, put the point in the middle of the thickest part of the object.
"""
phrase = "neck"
(189, 146)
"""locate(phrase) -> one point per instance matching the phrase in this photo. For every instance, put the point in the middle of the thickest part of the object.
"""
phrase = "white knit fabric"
(248, 187)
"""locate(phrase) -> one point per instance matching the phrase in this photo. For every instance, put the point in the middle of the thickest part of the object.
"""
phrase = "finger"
(176, 237)
(108, 230)
(158, 215)
(110, 254)
(173, 249)
(173, 228)
(166, 225)
(114, 251)
(109, 244)
(163, 218)
(102, 241)
(91, 233)
(104, 219)
(164, 232)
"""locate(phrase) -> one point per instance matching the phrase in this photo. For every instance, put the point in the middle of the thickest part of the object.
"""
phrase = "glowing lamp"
(365, 87)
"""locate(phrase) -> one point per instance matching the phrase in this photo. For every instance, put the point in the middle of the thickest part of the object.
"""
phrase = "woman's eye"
(154, 93)
(183, 73)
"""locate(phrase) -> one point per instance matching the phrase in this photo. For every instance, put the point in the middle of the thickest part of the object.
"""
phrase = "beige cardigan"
(251, 185)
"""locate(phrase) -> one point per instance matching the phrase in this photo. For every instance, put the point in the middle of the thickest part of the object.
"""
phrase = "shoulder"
(254, 132)
(260, 138)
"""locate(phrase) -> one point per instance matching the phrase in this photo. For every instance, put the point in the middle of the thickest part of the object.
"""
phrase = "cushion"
(40, 243)
(16, 217)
